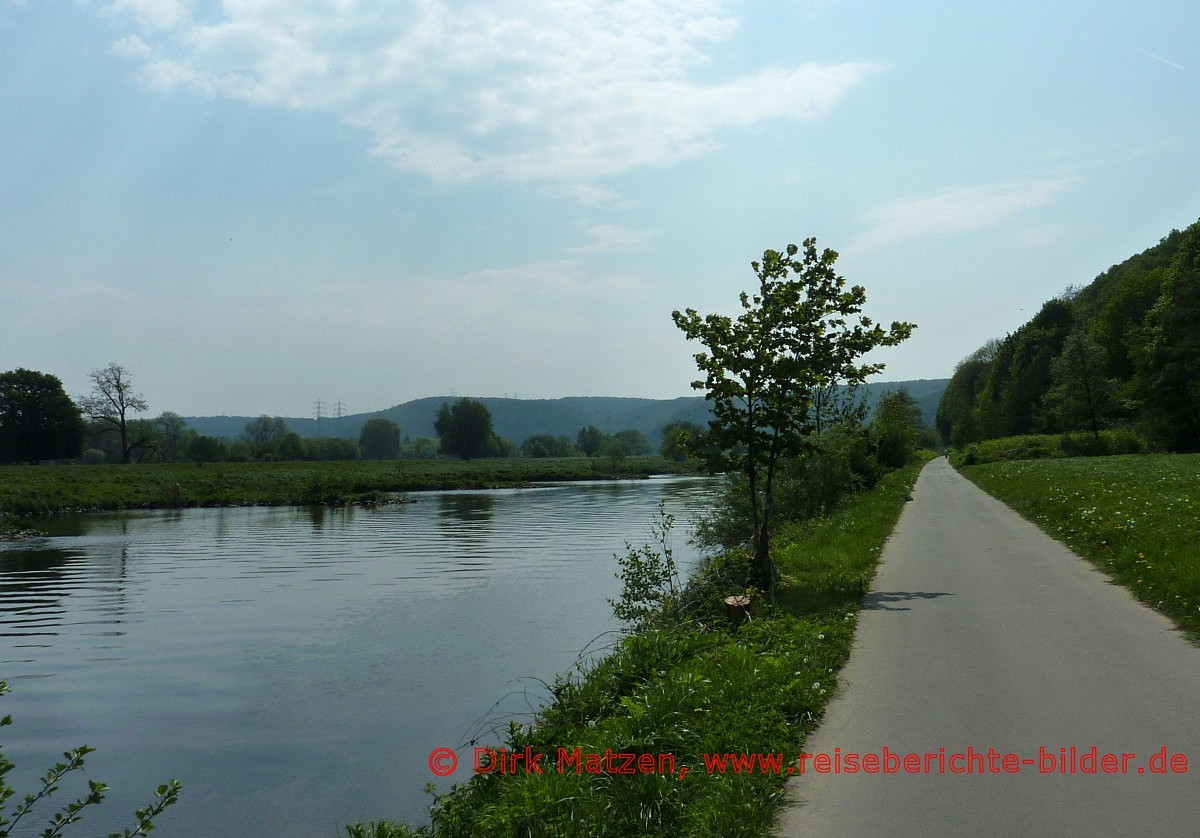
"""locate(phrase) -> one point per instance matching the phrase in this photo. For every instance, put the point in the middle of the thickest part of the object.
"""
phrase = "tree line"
(39, 421)
(1123, 352)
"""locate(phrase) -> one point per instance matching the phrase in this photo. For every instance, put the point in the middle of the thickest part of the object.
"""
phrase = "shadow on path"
(880, 600)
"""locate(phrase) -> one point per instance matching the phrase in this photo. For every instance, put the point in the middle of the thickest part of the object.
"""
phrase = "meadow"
(1136, 517)
(45, 489)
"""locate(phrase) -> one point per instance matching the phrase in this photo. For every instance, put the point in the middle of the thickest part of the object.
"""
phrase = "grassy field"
(1136, 517)
(32, 490)
(690, 687)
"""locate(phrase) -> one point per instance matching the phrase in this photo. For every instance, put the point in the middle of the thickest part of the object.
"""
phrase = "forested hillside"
(1124, 351)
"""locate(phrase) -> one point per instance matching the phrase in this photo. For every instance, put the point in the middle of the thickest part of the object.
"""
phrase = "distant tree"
(465, 429)
(546, 445)
(173, 436)
(111, 402)
(759, 370)
(895, 428)
(207, 449)
(264, 435)
(614, 451)
(291, 447)
(677, 438)
(634, 442)
(1081, 395)
(424, 448)
(325, 449)
(588, 440)
(379, 439)
(38, 420)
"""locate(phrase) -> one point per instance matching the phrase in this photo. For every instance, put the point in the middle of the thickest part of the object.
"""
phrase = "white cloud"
(958, 210)
(611, 238)
(151, 16)
(503, 89)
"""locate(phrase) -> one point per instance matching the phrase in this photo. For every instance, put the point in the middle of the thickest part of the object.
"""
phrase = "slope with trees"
(1123, 351)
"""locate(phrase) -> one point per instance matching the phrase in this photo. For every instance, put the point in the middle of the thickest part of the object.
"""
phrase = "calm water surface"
(295, 667)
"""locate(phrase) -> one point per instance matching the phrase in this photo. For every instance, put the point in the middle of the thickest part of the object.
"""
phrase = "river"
(295, 667)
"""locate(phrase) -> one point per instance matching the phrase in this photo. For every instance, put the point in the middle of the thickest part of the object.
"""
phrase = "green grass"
(31, 490)
(691, 688)
(1134, 516)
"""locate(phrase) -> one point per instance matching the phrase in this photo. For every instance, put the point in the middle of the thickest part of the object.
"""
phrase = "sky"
(254, 205)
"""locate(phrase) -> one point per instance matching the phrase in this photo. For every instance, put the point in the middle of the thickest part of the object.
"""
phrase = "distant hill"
(519, 419)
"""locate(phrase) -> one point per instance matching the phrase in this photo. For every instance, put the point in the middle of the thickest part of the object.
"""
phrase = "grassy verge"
(1042, 446)
(680, 690)
(1135, 517)
(32, 490)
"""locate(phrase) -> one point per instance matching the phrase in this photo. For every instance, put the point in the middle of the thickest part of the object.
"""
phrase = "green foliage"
(760, 370)
(633, 442)
(649, 578)
(679, 438)
(588, 440)
(38, 420)
(205, 449)
(379, 439)
(545, 445)
(465, 429)
(1133, 516)
(1081, 397)
(1047, 446)
(836, 464)
(292, 447)
(173, 437)
(166, 795)
(895, 428)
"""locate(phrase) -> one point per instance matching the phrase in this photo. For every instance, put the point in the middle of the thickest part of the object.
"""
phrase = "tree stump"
(737, 608)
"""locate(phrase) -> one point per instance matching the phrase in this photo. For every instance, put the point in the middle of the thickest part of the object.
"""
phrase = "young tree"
(465, 429)
(111, 401)
(38, 420)
(379, 439)
(802, 329)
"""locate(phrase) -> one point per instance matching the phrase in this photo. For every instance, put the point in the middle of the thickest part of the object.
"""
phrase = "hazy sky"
(255, 204)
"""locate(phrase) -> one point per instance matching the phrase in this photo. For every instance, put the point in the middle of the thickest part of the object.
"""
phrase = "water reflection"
(307, 655)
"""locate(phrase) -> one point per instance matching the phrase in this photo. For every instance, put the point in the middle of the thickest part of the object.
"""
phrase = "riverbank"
(49, 489)
(653, 738)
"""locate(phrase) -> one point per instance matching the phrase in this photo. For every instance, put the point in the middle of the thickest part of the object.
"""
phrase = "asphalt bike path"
(981, 634)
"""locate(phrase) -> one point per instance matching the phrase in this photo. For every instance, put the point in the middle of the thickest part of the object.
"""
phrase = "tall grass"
(1136, 517)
